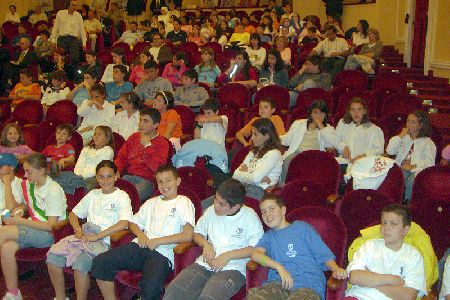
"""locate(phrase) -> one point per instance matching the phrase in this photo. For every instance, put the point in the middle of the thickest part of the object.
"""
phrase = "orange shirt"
(21, 90)
(170, 116)
(276, 120)
(250, 29)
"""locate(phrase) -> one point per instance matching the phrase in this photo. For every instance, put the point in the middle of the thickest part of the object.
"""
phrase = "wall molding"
(440, 65)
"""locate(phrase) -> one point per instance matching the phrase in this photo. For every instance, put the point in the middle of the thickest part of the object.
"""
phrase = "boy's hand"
(218, 263)
(13, 220)
(142, 241)
(396, 280)
(89, 238)
(340, 273)
(152, 244)
(287, 282)
(208, 253)
(243, 168)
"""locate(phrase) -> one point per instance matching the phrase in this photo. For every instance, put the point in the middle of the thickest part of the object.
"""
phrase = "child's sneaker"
(10, 296)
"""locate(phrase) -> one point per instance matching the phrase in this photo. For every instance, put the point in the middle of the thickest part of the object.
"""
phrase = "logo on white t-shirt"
(291, 252)
(402, 276)
(239, 233)
(173, 212)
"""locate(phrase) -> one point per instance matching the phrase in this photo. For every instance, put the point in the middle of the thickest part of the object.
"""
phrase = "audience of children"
(126, 121)
(256, 52)
(273, 70)
(174, 71)
(137, 72)
(81, 92)
(118, 57)
(170, 124)
(241, 70)
(118, 86)
(151, 252)
(58, 90)
(26, 89)
(190, 93)
(100, 148)
(95, 111)
(107, 210)
(207, 70)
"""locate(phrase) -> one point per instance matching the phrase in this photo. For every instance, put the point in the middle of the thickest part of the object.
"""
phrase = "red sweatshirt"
(135, 159)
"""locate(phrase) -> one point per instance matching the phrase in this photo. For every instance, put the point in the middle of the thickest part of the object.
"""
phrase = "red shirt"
(252, 75)
(135, 159)
(54, 153)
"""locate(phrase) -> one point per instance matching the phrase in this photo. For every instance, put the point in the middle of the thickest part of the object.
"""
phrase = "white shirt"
(214, 131)
(375, 257)
(423, 156)
(89, 159)
(34, 18)
(294, 137)
(326, 46)
(12, 18)
(159, 218)
(50, 96)
(108, 73)
(227, 233)
(124, 125)
(366, 138)
(16, 191)
(257, 57)
(92, 25)
(269, 165)
(50, 198)
(130, 37)
(66, 24)
(104, 210)
(445, 288)
(95, 117)
(359, 39)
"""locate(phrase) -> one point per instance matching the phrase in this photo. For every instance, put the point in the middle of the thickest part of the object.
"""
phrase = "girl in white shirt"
(314, 133)
(126, 121)
(261, 167)
(100, 148)
(256, 53)
(361, 36)
(413, 148)
(95, 112)
(107, 209)
(118, 56)
(356, 136)
(45, 203)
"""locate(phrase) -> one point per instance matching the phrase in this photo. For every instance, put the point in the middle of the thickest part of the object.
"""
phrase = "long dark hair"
(424, 121)
(255, 36)
(266, 127)
(247, 65)
(365, 27)
(348, 118)
(279, 65)
(320, 105)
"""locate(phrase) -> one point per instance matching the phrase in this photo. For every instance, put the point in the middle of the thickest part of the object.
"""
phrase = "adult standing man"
(68, 32)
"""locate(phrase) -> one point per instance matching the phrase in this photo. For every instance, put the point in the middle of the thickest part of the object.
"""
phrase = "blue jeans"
(143, 186)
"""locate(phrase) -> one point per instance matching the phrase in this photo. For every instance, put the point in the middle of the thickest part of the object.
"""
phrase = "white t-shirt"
(50, 198)
(104, 210)
(125, 126)
(108, 73)
(257, 57)
(90, 158)
(214, 131)
(227, 233)
(158, 218)
(445, 289)
(92, 116)
(269, 165)
(50, 96)
(374, 256)
(16, 191)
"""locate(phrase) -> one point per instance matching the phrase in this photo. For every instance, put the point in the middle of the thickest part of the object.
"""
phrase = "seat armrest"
(335, 284)
(252, 265)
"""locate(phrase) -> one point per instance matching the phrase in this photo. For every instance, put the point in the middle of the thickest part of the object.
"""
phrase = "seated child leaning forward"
(388, 268)
(295, 254)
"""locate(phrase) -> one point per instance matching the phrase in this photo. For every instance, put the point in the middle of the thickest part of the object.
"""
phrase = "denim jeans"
(143, 186)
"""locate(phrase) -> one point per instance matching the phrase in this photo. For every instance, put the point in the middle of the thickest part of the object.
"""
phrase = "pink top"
(136, 74)
(174, 74)
(21, 149)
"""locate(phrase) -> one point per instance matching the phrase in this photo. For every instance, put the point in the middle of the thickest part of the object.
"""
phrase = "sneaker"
(10, 296)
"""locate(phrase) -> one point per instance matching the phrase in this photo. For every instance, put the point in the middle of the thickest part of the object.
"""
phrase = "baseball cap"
(8, 159)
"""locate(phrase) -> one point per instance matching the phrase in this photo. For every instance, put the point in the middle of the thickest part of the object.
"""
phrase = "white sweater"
(294, 137)
(269, 165)
(90, 158)
(423, 156)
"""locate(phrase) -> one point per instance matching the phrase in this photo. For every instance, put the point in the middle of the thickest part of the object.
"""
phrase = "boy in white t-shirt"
(10, 185)
(387, 268)
(211, 126)
(227, 232)
(160, 224)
